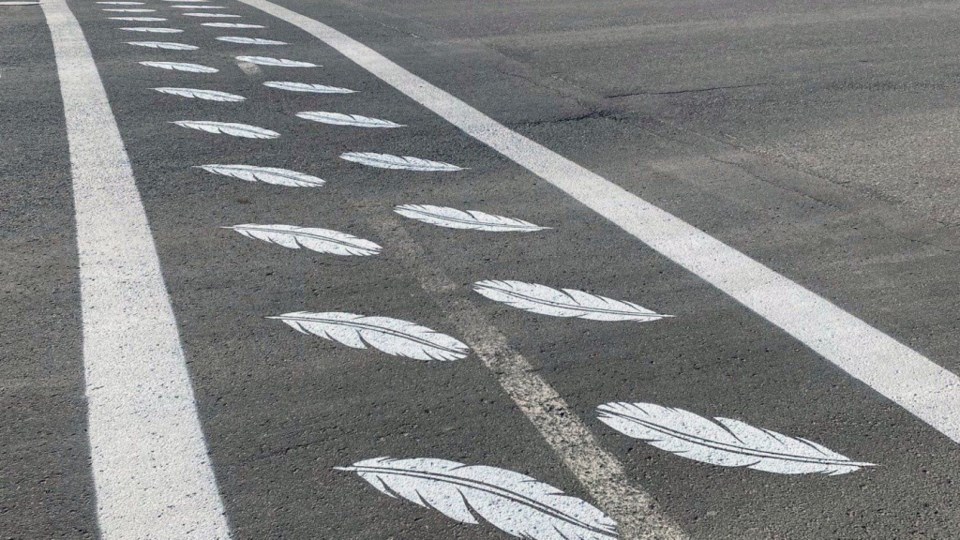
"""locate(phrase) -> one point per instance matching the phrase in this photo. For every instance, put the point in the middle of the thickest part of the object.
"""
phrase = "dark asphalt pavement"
(817, 138)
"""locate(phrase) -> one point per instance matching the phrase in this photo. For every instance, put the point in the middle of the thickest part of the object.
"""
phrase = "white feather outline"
(517, 504)
(341, 119)
(234, 129)
(395, 337)
(545, 300)
(311, 238)
(452, 218)
(407, 163)
(723, 441)
(199, 93)
(268, 175)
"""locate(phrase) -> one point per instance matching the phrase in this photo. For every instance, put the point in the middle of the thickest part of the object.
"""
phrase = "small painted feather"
(563, 303)
(138, 19)
(277, 62)
(387, 161)
(181, 66)
(128, 10)
(245, 131)
(250, 41)
(306, 87)
(452, 218)
(319, 240)
(392, 336)
(166, 45)
(152, 30)
(197, 93)
(212, 15)
(338, 119)
(231, 25)
(267, 175)
(517, 504)
(723, 441)
(197, 7)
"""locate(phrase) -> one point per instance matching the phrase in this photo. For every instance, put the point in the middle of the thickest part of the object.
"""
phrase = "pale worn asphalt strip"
(152, 474)
(894, 370)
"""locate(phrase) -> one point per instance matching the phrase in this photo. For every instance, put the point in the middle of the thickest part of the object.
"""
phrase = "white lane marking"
(896, 371)
(151, 471)
(514, 503)
(407, 163)
(392, 336)
(308, 87)
(599, 471)
(340, 119)
(312, 238)
(563, 303)
(453, 218)
(724, 441)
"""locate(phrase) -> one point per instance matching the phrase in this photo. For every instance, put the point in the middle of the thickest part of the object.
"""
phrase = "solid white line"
(151, 471)
(896, 371)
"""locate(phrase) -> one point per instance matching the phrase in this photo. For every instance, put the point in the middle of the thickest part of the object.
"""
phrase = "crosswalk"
(458, 346)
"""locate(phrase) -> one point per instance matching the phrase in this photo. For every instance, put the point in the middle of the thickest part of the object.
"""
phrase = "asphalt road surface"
(706, 287)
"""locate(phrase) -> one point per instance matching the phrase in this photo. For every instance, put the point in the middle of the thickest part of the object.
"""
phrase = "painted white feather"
(138, 19)
(212, 15)
(563, 303)
(166, 45)
(387, 161)
(128, 10)
(464, 219)
(319, 240)
(339, 119)
(231, 25)
(181, 66)
(307, 87)
(152, 30)
(120, 3)
(267, 175)
(250, 40)
(197, 7)
(197, 93)
(724, 442)
(278, 62)
(392, 336)
(515, 503)
(229, 128)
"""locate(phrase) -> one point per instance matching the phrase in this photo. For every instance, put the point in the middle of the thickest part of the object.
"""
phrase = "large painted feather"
(319, 240)
(245, 131)
(181, 66)
(452, 218)
(138, 19)
(387, 161)
(563, 303)
(392, 336)
(165, 45)
(250, 40)
(212, 15)
(198, 93)
(723, 441)
(267, 175)
(515, 503)
(307, 87)
(277, 62)
(340, 119)
(231, 25)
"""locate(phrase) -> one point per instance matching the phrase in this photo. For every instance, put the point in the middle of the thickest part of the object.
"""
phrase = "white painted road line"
(903, 375)
(150, 466)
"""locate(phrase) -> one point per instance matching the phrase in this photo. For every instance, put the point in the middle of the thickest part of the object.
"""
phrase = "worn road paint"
(151, 471)
(892, 369)
(514, 503)
(723, 441)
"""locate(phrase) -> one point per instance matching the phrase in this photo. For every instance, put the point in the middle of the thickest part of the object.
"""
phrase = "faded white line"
(151, 471)
(896, 371)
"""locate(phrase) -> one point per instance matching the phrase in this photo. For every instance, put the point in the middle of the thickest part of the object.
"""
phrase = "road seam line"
(151, 471)
(902, 375)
